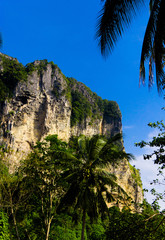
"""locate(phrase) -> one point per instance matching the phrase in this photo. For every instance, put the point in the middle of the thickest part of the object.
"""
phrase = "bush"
(4, 226)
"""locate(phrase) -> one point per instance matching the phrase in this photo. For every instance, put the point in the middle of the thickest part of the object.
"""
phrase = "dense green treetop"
(11, 72)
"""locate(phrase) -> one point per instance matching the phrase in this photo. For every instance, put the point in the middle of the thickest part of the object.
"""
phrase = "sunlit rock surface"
(46, 104)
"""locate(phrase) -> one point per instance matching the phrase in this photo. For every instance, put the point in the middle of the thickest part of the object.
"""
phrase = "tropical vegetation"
(91, 187)
(157, 156)
(61, 191)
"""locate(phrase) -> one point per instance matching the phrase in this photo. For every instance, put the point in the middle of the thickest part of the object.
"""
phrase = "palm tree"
(117, 14)
(90, 185)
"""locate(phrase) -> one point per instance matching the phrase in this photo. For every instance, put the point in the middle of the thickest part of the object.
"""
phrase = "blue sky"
(64, 32)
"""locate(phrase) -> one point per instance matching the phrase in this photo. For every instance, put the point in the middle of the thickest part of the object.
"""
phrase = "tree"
(158, 142)
(116, 15)
(90, 185)
(10, 200)
(41, 173)
(158, 154)
(126, 225)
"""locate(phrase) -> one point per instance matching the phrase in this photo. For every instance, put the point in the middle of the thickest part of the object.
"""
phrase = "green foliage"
(30, 68)
(135, 226)
(96, 231)
(11, 73)
(41, 180)
(63, 233)
(3, 167)
(111, 109)
(4, 226)
(158, 156)
(136, 175)
(158, 142)
(89, 104)
(42, 66)
(11, 196)
(81, 108)
(90, 185)
(57, 175)
(55, 91)
(63, 228)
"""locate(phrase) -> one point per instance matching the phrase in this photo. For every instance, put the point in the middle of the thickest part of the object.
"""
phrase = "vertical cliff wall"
(38, 100)
(47, 102)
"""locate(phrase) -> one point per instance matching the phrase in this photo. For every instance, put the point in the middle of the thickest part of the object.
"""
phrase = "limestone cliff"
(49, 103)
(38, 100)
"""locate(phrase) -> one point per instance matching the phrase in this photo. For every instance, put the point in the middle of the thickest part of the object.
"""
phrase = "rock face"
(47, 102)
(44, 105)
(129, 179)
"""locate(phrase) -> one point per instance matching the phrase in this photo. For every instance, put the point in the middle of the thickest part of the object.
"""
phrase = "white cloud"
(128, 127)
(149, 170)
(152, 134)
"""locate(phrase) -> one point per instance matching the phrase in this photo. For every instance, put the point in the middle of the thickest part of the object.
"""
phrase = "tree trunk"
(83, 224)
(15, 222)
(49, 217)
(13, 214)
(47, 232)
(48, 228)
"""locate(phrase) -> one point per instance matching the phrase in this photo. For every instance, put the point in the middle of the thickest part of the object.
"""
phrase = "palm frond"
(153, 45)
(69, 198)
(72, 176)
(113, 141)
(159, 46)
(148, 41)
(109, 197)
(116, 138)
(102, 206)
(63, 155)
(114, 17)
(96, 145)
(115, 155)
(82, 143)
(105, 177)
(151, 4)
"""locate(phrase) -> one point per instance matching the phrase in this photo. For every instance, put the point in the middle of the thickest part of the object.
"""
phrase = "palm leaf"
(105, 177)
(102, 206)
(114, 17)
(82, 143)
(96, 145)
(116, 138)
(69, 198)
(159, 47)
(151, 4)
(150, 44)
